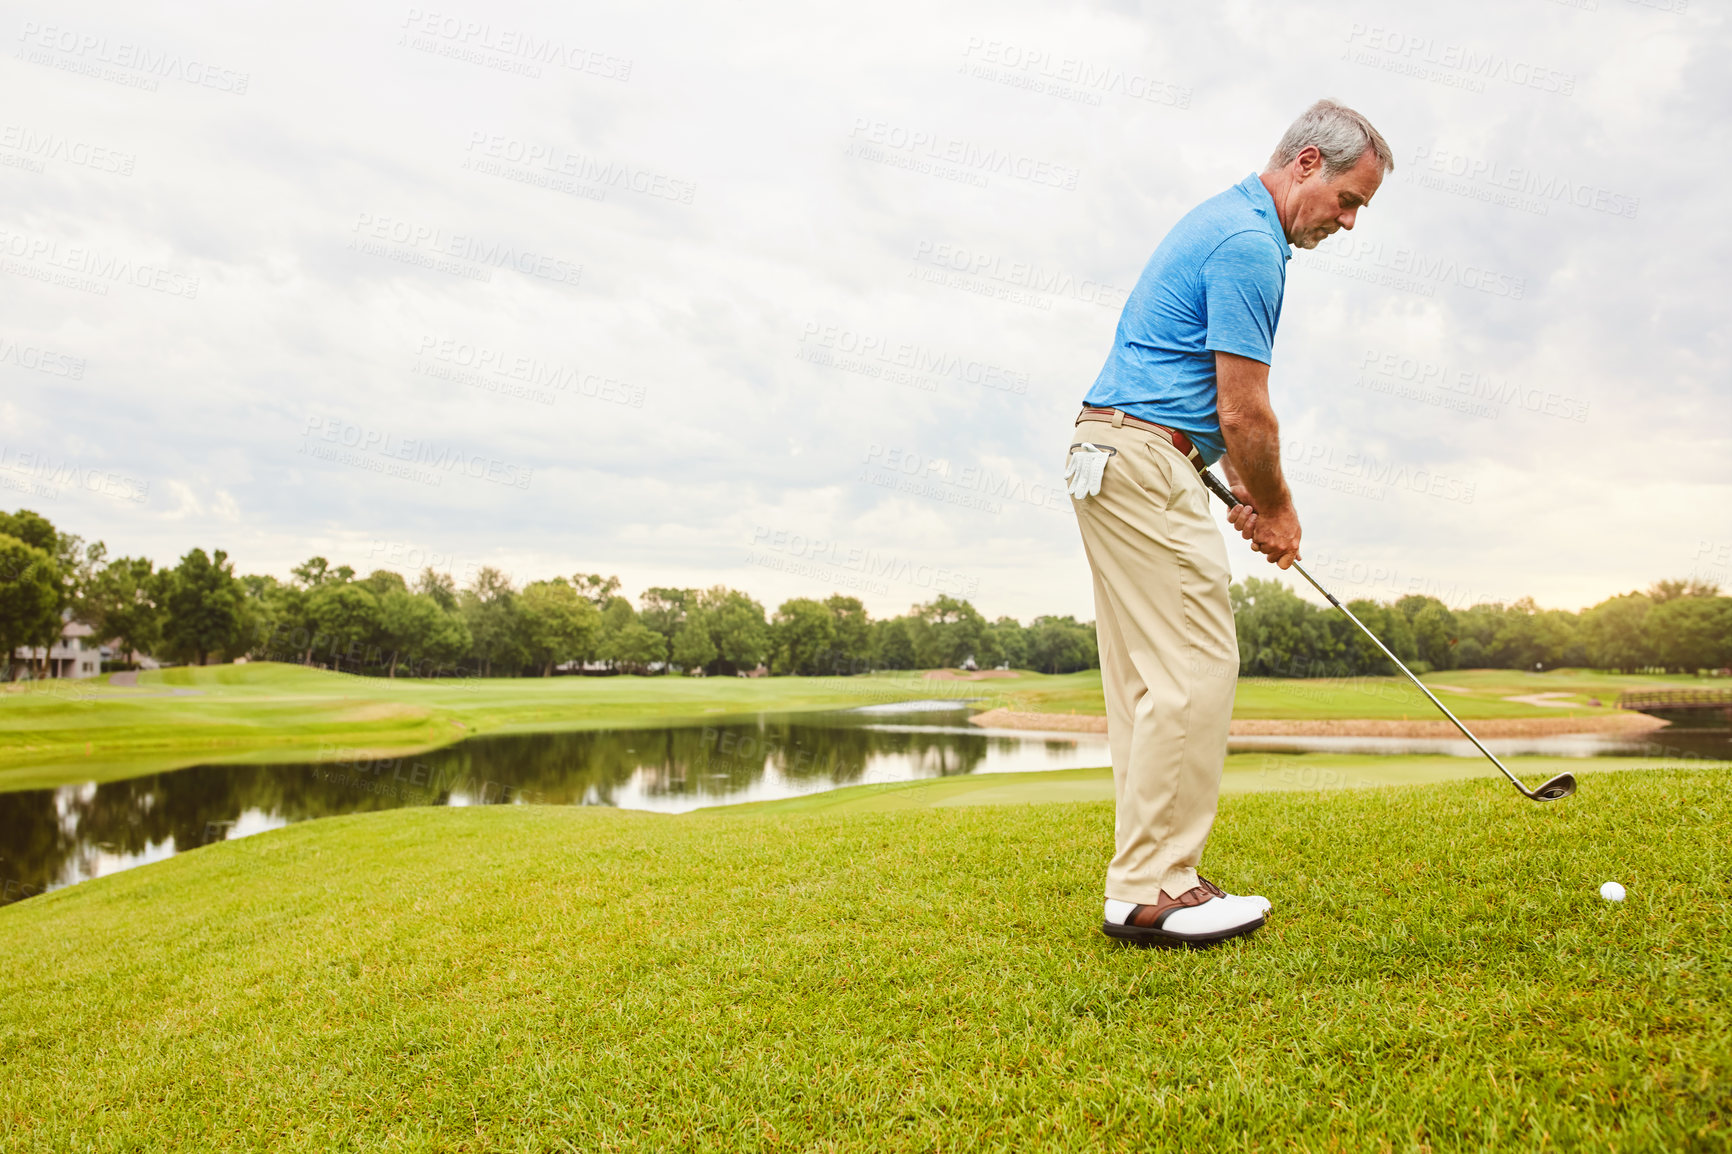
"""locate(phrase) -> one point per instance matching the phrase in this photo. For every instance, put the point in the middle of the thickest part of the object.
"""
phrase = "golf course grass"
(57, 732)
(1438, 974)
(1474, 694)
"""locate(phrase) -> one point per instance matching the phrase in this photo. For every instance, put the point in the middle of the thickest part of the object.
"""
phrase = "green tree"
(1360, 655)
(74, 568)
(349, 622)
(441, 587)
(893, 644)
(1528, 637)
(29, 596)
(1061, 645)
(1434, 634)
(1691, 632)
(738, 629)
(595, 588)
(635, 647)
(1280, 634)
(803, 635)
(1670, 590)
(1012, 641)
(664, 610)
(316, 571)
(201, 606)
(489, 608)
(946, 631)
(852, 649)
(1615, 633)
(383, 581)
(416, 629)
(561, 624)
(121, 605)
(33, 529)
(693, 647)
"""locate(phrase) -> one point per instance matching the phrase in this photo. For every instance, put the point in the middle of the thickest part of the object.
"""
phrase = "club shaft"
(1220, 490)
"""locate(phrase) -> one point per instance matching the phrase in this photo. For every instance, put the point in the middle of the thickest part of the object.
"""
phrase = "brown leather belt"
(1118, 417)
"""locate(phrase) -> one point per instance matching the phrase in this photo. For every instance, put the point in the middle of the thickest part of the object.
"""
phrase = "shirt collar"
(1264, 206)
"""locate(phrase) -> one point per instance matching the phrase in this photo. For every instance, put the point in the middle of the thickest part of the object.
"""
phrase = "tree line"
(1676, 626)
(382, 624)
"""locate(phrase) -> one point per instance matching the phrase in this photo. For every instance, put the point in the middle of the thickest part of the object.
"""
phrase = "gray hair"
(1336, 131)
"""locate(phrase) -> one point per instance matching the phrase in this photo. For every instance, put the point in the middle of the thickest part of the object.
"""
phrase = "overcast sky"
(804, 301)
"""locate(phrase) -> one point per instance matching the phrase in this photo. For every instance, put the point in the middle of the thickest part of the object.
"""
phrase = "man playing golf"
(1186, 384)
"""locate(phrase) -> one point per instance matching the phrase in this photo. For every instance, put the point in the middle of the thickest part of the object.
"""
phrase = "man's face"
(1319, 206)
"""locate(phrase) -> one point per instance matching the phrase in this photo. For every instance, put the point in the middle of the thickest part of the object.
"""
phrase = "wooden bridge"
(1692, 706)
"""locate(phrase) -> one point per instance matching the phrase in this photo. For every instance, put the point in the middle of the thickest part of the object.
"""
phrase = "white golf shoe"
(1201, 916)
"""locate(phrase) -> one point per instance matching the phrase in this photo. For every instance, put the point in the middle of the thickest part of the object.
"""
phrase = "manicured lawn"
(1470, 693)
(1438, 974)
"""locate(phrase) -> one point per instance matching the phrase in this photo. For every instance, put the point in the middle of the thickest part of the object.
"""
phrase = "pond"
(54, 837)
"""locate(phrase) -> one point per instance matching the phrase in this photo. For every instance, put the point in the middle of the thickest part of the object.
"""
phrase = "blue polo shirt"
(1214, 284)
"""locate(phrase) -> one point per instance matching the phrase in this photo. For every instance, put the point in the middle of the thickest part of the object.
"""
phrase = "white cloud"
(335, 237)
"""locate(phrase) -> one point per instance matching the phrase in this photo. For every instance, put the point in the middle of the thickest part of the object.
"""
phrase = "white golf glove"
(1086, 467)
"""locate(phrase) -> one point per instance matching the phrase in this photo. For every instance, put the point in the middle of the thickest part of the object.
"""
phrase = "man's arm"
(1253, 461)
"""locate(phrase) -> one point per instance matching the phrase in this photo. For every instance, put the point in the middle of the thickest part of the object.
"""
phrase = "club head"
(1556, 789)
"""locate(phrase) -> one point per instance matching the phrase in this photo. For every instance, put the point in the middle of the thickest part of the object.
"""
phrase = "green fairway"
(57, 732)
(53, 732)
(1469, 693)
(1438, 973)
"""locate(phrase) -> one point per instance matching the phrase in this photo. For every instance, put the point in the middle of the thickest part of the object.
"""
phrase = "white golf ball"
(1612, 892)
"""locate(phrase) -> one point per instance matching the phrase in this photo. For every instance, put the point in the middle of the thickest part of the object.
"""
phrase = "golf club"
(1558, 787)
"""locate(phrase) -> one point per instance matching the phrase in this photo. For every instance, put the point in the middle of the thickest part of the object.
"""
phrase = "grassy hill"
(1438, 973)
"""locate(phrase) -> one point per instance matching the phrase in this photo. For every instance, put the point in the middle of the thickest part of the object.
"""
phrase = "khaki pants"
(1169, 656)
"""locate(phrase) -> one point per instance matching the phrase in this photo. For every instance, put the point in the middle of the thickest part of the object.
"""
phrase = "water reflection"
(53, 837)
(50, 838)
